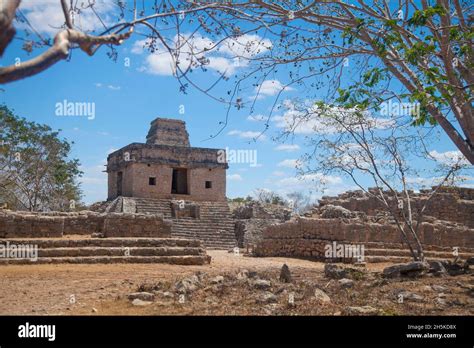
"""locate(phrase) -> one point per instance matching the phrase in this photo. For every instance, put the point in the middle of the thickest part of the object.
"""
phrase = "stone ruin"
(86, 223)
(252, 218)
(91, 237)
(166, 176)
(356, 219)
(167, 167)
(167, 201)
(453, 204)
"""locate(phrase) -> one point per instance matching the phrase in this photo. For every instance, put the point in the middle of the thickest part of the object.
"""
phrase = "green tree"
(35, 171)
(416, 51)
(366, 53)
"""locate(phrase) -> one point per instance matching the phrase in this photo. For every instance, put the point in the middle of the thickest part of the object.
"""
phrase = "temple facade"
(167, 167)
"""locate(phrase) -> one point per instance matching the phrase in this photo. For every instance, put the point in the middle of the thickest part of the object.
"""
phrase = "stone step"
(203, 231)
(212, 243)
(225, 238)
(166, 202)
(206, 223)
(174, 260)
(379, 245)
(215, 228)
(104, 242)
(211, 234)
(168, 210)
(207, 241)
(203, 210)
(202, 223)
(395, 259)
(131, 251)
(203, 236)
(406, 253)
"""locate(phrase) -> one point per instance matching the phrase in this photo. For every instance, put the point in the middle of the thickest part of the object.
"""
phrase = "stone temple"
(166, 166)
(165, 175)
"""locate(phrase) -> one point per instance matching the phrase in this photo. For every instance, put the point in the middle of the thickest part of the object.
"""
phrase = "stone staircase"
(215, 228)
(109, 250)
(384, 252)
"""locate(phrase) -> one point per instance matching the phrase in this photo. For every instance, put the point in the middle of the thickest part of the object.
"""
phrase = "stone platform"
(109, 250)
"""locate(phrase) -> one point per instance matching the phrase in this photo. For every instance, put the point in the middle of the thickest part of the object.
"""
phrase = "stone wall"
(23, 224)
(84, 223)
(166, 131)
(136, 225)
(136, 182)
(249, 232)
(450, 204)
(307, 237)
(252, 218)
(158, 161)
(57, 224)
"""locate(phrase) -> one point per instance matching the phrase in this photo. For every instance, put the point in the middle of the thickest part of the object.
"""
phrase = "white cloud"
(289, 163)
(196, 51)
(245, 46)
(449, 158)
(234, 177)
(94, 175)
(316, 178)
(315, 185)
(139, 46)
(257, 118)
(309, 119)
(423, 181)
(93, 180)
(112, 87)
(462, 180)
(46, 16)
(159, 64)
(287, 147)
(247, 134)
(278, 173)
(270, 88)
(223, 65)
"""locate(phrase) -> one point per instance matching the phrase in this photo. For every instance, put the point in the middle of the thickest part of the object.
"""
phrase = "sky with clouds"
(129, 93)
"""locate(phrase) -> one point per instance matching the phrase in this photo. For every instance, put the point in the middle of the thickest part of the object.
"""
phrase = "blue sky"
(127, 97)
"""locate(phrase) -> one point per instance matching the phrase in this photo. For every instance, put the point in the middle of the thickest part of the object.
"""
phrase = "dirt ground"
(102, 290)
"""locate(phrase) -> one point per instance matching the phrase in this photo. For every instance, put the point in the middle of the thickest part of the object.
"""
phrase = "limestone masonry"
(57, 224)
(166, 167)
(358, 219)
(252, 218)
(167, 200)
(185, 185)
(454, 204)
